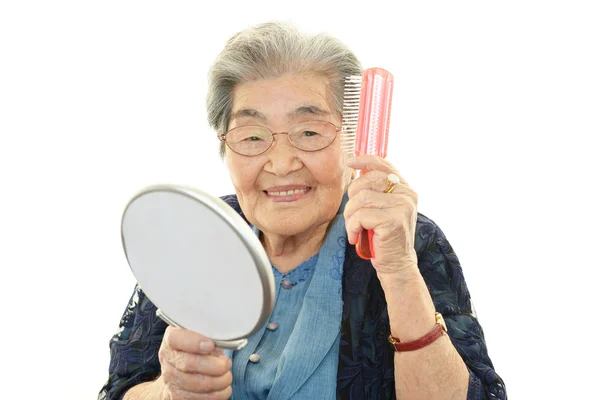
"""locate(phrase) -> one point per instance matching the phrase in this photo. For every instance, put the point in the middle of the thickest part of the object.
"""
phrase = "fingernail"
(351, 160)
(206, 346)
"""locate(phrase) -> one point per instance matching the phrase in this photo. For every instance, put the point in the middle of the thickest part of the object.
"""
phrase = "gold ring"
(392, 182)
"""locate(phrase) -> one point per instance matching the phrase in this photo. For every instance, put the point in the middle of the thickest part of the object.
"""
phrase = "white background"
(495, 124)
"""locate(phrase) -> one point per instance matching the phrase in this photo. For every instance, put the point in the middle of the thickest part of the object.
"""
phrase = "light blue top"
(299, 358)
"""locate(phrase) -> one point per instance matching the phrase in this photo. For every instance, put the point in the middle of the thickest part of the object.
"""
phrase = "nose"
(282, 157)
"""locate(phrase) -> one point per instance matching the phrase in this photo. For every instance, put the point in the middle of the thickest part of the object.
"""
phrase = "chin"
(286, 226)
(293, 223)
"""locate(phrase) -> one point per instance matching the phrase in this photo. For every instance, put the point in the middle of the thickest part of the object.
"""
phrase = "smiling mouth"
(288, 192)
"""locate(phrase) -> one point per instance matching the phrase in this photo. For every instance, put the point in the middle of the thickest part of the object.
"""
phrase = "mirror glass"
(198, 261)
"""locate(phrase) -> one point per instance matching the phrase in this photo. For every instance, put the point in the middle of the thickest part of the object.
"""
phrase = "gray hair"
(270, 50)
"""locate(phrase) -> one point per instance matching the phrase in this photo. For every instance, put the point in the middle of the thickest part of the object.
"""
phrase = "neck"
(286, 252)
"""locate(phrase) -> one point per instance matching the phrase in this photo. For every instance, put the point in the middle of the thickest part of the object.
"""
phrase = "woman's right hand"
(192, 367)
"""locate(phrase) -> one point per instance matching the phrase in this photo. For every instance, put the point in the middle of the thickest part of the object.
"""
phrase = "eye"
(250, 135)
(309, 133)
(253, 139)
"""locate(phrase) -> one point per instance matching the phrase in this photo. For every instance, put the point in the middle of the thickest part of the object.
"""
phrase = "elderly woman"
(329, 333)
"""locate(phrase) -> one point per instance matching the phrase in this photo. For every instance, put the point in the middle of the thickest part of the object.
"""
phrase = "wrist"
(396, 263)
(403, 277)
(425, 340)
(410, 307)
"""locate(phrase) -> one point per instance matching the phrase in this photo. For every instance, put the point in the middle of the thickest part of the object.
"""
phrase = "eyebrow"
(308, 110)
(300, 111)
(248, 112)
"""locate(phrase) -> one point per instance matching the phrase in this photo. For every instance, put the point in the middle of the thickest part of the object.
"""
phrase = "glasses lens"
(249, 140)
(312, 135)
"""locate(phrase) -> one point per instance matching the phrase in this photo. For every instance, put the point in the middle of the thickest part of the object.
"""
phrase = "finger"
(221, 395)
(367, 162)
(218, 352)
(384, 222)
(193, 363)
(372, 180)
(195, 383)
(188, 341)
(361, 220)
(376, 179)
(400, 198)
(176, 393)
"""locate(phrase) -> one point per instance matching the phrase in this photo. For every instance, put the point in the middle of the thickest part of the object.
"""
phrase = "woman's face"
(318, 178)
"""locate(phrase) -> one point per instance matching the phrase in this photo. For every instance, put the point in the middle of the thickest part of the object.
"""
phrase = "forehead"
(280, 97)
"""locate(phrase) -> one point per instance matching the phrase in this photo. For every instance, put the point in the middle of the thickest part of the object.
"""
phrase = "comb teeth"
(351, 106)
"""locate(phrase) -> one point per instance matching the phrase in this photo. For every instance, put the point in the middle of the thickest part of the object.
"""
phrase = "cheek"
(331, 170)
(243, 171)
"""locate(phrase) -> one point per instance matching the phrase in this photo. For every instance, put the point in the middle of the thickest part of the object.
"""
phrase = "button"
(254, 358)
(272, 326)
(286, 283)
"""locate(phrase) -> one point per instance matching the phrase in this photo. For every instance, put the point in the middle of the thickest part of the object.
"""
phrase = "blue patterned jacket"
(366, 358)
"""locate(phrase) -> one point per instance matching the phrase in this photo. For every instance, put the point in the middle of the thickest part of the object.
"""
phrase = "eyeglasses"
(252, 140)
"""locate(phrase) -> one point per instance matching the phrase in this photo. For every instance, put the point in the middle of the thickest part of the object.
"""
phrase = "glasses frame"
(222, 137)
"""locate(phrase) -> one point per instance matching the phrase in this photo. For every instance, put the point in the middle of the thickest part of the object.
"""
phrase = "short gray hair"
(270, 50)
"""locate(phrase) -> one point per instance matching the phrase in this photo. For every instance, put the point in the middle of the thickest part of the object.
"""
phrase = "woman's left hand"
(391, 216)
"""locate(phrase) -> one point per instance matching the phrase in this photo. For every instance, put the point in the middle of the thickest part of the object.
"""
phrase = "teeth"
(288, 193)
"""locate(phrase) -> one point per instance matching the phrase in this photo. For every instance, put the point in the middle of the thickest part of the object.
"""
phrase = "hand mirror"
(199, 262)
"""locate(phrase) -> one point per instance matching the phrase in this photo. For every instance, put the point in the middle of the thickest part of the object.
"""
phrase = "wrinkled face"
(317, 180)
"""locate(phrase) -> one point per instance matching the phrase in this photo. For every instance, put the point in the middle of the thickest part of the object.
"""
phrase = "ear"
(222, 146)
